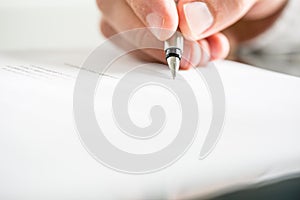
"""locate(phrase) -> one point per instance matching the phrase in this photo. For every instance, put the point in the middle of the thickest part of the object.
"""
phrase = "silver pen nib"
(173, 63)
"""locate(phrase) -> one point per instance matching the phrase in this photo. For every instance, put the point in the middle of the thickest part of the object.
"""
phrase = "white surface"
(42, 157)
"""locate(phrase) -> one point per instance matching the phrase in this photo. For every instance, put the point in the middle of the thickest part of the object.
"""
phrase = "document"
(44, 153)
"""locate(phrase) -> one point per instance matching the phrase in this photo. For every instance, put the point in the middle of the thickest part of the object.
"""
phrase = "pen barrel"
(176, 41)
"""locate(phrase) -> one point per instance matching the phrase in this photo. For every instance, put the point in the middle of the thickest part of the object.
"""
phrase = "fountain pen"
(173, 50)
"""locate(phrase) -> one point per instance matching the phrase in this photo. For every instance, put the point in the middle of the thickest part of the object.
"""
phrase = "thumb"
(199, 19)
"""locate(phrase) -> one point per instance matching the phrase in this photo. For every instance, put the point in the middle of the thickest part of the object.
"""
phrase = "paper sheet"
(42, 155)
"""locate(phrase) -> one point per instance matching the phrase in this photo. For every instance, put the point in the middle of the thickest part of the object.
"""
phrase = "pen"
(173, 50)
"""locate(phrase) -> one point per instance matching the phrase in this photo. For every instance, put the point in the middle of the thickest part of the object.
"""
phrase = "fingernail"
(198, 18)
(205, 52)
(155, 23)
(191, 55)
(205, 57)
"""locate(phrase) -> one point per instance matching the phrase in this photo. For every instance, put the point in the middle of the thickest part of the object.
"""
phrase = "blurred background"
(49, 24)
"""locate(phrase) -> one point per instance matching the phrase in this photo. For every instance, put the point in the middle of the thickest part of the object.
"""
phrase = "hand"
(199, 21)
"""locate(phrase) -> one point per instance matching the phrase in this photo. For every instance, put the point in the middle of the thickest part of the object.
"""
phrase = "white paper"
(42, 156)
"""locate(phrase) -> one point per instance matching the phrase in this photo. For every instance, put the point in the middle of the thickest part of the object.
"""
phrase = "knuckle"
(101, 4)
(105, 30)
(242, 5)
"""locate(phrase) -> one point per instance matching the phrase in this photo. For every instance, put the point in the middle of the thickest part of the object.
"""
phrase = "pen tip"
(173, 74)
(173, 63)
